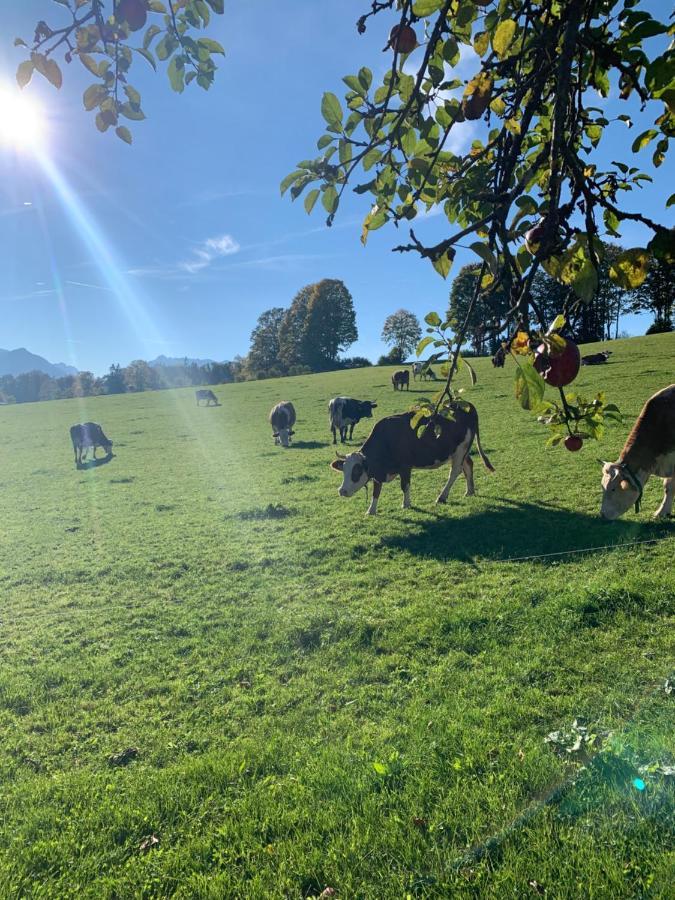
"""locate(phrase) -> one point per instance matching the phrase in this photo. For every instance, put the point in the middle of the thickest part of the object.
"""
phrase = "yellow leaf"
(521, 343)
(630, 268)
(513, 126)
(503, 37)
(481, 42)
(498, 106)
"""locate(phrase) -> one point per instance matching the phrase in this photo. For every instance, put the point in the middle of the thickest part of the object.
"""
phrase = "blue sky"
(177, 244)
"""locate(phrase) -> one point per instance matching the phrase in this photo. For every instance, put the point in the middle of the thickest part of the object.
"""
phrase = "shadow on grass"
(308, 445)
(517, 530)
(95, 463)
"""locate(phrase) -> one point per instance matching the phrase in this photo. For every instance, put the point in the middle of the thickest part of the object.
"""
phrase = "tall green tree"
(486, 319)
(402, 331)
(292, 347)
(656, 295)
(330, 326)
(263, 356)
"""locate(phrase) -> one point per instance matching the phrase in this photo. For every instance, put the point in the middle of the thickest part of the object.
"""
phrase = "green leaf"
(433, 319)
(558, 323)
(218, 6)
(211, 45)
(643, 139)
(123, 133)
(670, 201)
(147, 55)
(662, 245)
(89, 63)
(311, 199)
(289, 180)
(530, 386)
(48, 68)
(374, 220)
(176, 73)
(472, 373)
(423, 344)
(344, 151)
(24, 73)
(365, 77)
(482, 250)
(93, 96)
(150, 34)
(443, 263)
(503, 37)
(426, 7)
(330, 199)
(630, 268)
(331, 109)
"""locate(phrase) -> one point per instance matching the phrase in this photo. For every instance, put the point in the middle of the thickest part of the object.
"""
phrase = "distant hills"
(16, 362)
(177, 361)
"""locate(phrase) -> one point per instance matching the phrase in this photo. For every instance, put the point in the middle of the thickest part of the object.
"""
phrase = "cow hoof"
(441, 499)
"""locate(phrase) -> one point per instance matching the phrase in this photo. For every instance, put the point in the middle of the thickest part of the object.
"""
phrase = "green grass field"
(318, 698)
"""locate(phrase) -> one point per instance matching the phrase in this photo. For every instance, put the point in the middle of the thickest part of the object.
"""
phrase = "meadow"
(219, 679)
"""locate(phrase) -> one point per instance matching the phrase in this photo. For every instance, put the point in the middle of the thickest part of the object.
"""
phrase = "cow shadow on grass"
(515, 531)
(308, 445)
(95, 463)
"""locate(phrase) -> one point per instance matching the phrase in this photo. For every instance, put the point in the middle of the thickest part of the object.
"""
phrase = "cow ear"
(338, 465)
(373, 405)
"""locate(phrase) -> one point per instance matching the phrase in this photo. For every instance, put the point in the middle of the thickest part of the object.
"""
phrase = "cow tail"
(486, 462)
(331, 413)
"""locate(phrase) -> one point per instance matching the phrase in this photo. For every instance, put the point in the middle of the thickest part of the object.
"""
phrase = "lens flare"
(22, 122)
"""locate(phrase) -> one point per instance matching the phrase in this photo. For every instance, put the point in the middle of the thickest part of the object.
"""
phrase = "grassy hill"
(309, 697)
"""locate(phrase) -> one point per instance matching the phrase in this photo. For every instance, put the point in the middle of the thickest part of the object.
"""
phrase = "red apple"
(534, 236)
(133, 12)
(403, 38)
(573, 442)
(561, 369)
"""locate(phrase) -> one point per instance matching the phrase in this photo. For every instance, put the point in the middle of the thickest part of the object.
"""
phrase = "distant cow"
(596, 359)
(393, 448)
(282, 420)
(649, 450)
(499, 358)
(424, 370)
(207, 395)
(344, 413)
(88, 435)
(399, 378)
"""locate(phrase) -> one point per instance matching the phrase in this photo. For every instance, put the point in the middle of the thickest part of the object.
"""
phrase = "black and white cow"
(344, 413)
(394, 449)
(88, 435)
(282, 420)
(209, 396)
(399, 378)
(423, 370)
(596, 359)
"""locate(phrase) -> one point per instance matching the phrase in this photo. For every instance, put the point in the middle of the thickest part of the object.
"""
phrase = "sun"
(21, 120)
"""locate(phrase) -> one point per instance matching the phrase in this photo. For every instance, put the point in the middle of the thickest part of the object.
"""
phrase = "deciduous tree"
(402, 330)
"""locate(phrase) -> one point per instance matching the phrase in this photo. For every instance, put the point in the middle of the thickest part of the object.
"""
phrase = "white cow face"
(354, 471)
(283, 436)
(618, 494)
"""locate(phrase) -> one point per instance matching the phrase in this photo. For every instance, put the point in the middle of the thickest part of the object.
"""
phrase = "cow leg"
(332, 428)
(372, 509)
(351, 431)
(75, 452)
(405, 487)
(94, 453)
(666, 507)
(343, 434)
(467, 467)
(456, 467)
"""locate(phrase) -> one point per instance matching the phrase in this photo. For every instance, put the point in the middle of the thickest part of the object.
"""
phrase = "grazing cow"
(399, 378)
(596, 359)
(88, 435)
(344, 413)
(417, 368)
(424, 370)
(207, 395)
(393, 448)
(649, 450)
(282, 420)
(499, 358)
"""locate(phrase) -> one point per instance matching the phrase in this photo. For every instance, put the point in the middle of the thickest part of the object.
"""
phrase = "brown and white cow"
(282, 420)
(649, 450)
(394, 449)
(399, 378)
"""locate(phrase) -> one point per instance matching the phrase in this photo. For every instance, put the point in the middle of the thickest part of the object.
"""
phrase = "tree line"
(30, 387)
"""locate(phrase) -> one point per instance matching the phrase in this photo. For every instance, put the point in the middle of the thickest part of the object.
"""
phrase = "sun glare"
(21, 120)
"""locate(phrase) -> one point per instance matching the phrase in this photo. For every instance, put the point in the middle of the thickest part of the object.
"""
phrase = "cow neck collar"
(632, 479)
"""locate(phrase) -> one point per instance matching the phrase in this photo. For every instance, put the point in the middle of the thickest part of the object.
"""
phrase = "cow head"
(368, 407)
(283, 436)
(354, 473)
(618, 493)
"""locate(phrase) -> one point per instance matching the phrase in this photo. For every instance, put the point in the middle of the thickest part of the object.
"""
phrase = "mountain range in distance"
(16, 362)
(19, 361)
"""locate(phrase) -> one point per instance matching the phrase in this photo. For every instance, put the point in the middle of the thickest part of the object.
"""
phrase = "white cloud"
(210, 249)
